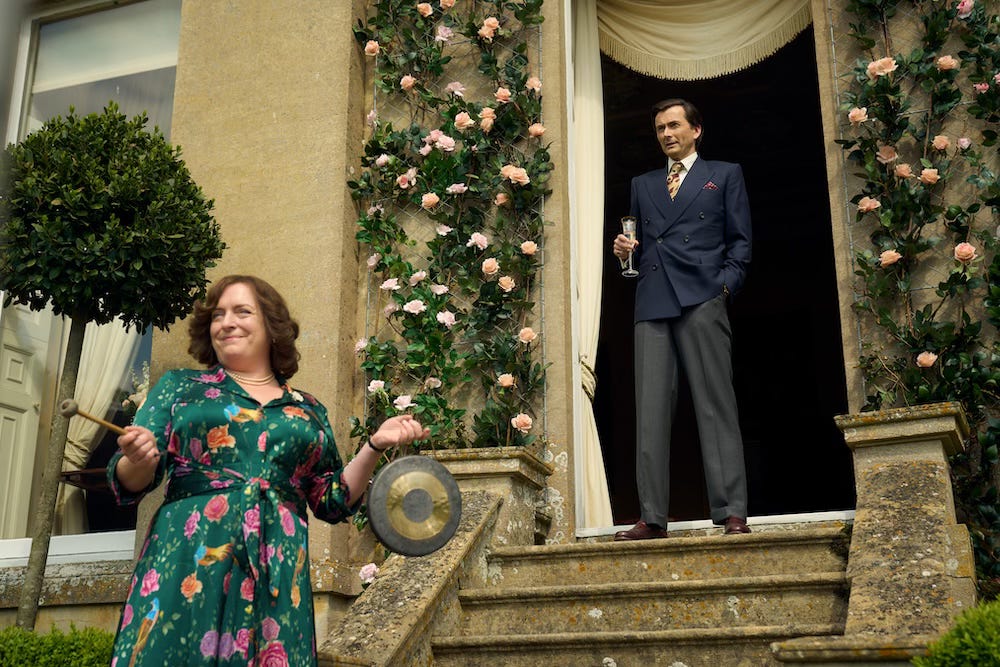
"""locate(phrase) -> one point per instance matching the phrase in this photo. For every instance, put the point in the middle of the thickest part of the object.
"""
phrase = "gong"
(414, 505)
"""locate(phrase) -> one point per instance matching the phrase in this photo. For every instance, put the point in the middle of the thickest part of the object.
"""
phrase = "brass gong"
(414, 505)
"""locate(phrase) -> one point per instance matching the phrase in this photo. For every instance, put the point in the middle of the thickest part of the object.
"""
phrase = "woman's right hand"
(139, 446)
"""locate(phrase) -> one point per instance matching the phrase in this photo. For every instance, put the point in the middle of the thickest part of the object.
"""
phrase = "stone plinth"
(516, 474)
(910, 565)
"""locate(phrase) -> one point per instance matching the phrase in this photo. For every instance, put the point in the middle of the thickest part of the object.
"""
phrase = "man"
(692, 251)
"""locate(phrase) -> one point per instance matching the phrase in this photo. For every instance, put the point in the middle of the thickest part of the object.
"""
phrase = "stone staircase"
(692, 601)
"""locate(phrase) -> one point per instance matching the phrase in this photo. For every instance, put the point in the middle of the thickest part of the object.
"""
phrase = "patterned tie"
(674, 179)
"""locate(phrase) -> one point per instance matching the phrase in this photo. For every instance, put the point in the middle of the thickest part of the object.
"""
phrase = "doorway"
(787, 354)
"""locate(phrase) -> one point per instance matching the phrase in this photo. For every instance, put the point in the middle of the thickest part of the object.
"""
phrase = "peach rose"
(372, 48)
(926, 359)
(429, 200)
(945, 63)
(536, 130)
(486, 118)
(491, 266)
(425, 9)
(526, 335)
(529, 248)
(501, 199)
(463, 121)
(447, 4)
(857, 115)
(881, 67)
(886, 154)
(521, 422)
(941, 143)
(888, 258)
(506, 283)
(407, 82)
(502, 95)
(190, 586)
(506, 380)
(904, 171)
(533, 83)
(965, 252)
(867, 204)
(929, 176)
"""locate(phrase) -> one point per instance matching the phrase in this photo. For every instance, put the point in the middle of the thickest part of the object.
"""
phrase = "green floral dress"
(223, 577)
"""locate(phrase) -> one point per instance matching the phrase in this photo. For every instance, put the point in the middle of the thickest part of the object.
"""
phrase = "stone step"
(711, 647)
(792, 551)
(647, 606)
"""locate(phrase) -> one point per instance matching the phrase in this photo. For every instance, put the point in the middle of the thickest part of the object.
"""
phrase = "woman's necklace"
(243, 379)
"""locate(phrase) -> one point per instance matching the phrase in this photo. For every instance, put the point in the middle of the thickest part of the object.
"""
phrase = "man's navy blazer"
(694, 245)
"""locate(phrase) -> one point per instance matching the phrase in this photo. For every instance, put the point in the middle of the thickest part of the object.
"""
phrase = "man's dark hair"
(691, 113)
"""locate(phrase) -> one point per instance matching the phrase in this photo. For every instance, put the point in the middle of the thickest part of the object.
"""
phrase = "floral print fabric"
(223, 577)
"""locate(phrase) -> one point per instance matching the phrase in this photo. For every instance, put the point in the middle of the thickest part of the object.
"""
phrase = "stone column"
(910, 565)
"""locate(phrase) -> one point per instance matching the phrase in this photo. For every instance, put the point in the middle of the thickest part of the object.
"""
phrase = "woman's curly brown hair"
(281, 328)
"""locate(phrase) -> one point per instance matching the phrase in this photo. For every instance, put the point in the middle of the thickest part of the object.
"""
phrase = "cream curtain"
(108, 352)
(685, 40)
(592, 501)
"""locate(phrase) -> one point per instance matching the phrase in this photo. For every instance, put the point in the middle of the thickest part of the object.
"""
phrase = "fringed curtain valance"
(684, 40)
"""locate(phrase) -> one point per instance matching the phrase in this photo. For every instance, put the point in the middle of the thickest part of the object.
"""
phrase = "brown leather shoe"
(735, 525)
(640, 531)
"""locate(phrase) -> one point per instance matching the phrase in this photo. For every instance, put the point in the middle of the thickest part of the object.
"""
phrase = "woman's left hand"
(398, 431)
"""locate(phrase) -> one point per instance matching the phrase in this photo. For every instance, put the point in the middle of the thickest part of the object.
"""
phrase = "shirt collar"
(687, 162)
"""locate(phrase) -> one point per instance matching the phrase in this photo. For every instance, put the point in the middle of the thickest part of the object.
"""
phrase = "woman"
(223, 576)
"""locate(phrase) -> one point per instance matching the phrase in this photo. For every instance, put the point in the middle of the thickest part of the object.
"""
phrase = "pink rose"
(867, 204)
(965, 252)
(857, 116)
(445, 143)
(246, 589)
(996, 78)
(455, 88)
(443, 34)
(376, 385)
(403, 402)
(501, 199)
(390, 308)
(390, 284)
(417, 277)
(926, 359)
(478, 240)
(438, 290)
(447, 318)
(502, 95)
(881, 67)
(888, 258)
(533, 83)
(506, 380)
(287, 520)
(243, 641)
(529, 248)
(429, 200)
(269, 629)
(273, 655)
(929, 176)
(941, 143)
(491, 266)
(526, 335)
(373, 260)
(382, 160)
(432, 383)
(536, 130)
(191, 525)
(981, 87)
(251, 521)
(360, 345)
(886, 154)
(903, 170)
(375, 210)
(403, 181)
(407, 82)
(964, 143)
(150, 582)
(127, 615)
(463, 121)
(506, 283)
(443, 230)
(414, 307)
(457, 189)
(425, 150)
(210, 644)
(521, 422)
(367, 573)
(372, 48)
(965, 8)
(945, 63)
(425, 9)
(216, 508)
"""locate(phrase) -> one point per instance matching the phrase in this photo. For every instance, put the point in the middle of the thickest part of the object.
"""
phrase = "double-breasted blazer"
(694, 247)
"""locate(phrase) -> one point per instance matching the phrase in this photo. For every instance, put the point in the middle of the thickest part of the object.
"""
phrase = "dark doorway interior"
(787, 350)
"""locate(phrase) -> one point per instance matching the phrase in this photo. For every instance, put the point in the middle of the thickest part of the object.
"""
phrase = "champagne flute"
(628, 229)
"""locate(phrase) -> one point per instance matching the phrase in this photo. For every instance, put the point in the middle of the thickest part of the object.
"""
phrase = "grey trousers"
(700, 342)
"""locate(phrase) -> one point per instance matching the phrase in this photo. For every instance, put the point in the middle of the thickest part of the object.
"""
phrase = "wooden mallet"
(69, 407)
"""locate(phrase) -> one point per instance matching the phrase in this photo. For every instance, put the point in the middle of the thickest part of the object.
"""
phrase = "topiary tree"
(973, 640)
(101, 219)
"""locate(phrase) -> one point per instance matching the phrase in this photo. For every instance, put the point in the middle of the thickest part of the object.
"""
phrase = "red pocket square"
(710, 186)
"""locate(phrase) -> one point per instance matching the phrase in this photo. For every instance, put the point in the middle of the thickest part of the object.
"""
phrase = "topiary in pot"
(101, 219)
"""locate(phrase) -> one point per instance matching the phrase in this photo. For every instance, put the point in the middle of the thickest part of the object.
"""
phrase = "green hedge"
(80, 648)
(973, 640)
